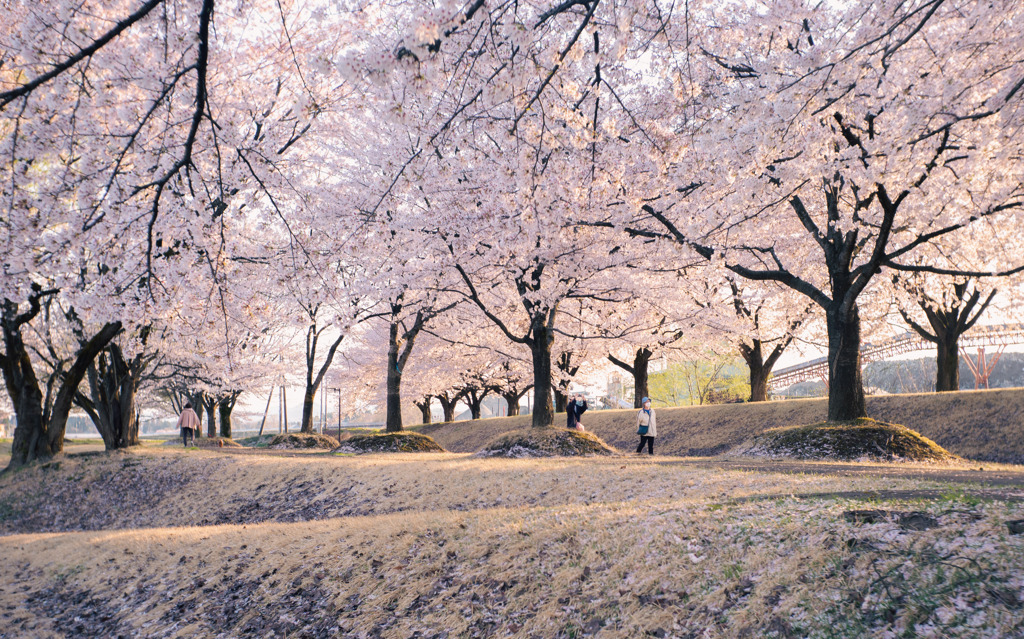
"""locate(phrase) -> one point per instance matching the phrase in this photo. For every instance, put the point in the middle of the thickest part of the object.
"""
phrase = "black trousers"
(187, 434)
(646, 439)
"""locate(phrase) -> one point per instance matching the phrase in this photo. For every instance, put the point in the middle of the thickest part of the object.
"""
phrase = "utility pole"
(284, 394)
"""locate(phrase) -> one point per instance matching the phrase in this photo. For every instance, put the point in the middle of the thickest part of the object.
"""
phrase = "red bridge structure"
(997, 336)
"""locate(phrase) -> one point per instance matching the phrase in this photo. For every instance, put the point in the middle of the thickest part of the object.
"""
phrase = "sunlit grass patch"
(546, 442)
(858, 439)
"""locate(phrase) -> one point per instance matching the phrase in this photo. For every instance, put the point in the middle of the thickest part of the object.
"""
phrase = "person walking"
(646, 426)
(574, 411)
(188, 422)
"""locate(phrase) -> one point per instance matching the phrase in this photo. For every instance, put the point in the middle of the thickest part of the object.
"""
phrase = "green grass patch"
(844, 441)
(546, 442)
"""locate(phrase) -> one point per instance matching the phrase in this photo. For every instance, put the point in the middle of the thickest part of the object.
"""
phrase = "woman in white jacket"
(646, 426)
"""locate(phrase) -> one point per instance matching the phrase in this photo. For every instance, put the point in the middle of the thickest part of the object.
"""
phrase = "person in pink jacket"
(188, 422)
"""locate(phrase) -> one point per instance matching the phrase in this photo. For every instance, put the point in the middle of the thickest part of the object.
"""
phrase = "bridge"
(998, 336)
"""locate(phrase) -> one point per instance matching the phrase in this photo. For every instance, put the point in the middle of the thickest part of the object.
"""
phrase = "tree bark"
(424, 406)
(224, 407)
(561, 400)
(640, 372)
(948, 324)
(947, 375)
(512, 400)
(210, 405)
(758, 384)
(113, 387)
(540, 346)
(307, 408)
(475, 399)
(641, 388)
(39, 433)
(448, 402)
(393, 422)
(845, 385)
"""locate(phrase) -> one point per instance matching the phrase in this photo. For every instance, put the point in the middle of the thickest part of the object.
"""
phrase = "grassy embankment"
(202, 544)
(983, 425)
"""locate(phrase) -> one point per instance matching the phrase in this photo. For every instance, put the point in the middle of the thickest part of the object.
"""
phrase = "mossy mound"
(257, 441)
(403, 442)
(546, 442)
(206, 442)
(845, 441)
(303, 440)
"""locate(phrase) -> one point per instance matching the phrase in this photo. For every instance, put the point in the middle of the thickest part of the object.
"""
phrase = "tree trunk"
(754, 357)
(113, 386)
(39, 433)
(561, 400)
(543, 411)
(225, 406)
(424, 406)
(448, 405)
(512, 400)
(475, 401)
(947, 360)
(640, 375)
(845, 385)
(210, 404)
(393, 423)
(639, 371)
(307, 408)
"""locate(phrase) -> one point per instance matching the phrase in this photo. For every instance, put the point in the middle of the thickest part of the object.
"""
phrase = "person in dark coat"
(574, 411)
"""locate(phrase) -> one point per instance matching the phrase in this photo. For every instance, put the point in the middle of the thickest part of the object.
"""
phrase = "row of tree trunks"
(41, 420)
(113, 386)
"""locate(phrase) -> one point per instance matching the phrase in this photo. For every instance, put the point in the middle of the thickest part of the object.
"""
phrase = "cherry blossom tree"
(831, 143)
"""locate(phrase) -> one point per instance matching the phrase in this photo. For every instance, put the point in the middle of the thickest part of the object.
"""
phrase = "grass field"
(984, 425)
(162, 542)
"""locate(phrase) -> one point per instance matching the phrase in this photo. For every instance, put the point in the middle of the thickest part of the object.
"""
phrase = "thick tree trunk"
(845, 385)
(39, 433)
(561, 400)
(947, 360)
(224, 407)
(475, 400)
(639, 371)
(758, 383)
(448, 406)
(210, 404)
(113, 386)
(641, 388)
(512, 400)
(754, 357)
(307, 407)
(424, 406)
(393, 423)
(543, 411)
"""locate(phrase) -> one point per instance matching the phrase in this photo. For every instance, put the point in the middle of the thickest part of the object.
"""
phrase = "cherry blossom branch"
(9, 96)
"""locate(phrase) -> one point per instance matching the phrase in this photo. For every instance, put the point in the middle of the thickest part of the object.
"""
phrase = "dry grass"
(546, 442)
(983, 425)
(563, 547)
(858, 439)
(380, 442)
(303, 440)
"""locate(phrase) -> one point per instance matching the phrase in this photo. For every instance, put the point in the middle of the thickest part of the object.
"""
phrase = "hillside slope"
(984, 425)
